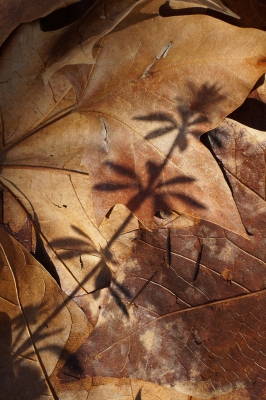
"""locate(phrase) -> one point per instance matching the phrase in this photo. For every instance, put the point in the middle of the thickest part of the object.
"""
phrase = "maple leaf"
(149, 90)
(206, 337)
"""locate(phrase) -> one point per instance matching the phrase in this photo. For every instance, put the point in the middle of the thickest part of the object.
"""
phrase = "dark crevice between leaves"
(252, 112)
(41, 255)
(63, 17)
(138, 397)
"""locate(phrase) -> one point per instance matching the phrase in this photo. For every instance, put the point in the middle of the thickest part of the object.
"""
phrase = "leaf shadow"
(20, 376)
(191, 115)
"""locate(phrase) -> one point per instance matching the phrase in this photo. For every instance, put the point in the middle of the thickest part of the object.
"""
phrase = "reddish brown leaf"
(208, 338)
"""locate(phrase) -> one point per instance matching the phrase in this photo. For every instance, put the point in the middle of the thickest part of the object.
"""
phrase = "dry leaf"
(82, 53)
(148, 95)
(15, 12)
(205, 339)
(46, 167)
(38, 324)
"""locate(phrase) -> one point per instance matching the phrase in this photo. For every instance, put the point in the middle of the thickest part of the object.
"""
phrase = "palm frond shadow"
(191, 117)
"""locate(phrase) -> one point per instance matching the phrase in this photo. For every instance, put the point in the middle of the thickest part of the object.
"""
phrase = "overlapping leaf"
(140, 142)
(199, 328)
(15, 12)
(148, 109)
(37, 324)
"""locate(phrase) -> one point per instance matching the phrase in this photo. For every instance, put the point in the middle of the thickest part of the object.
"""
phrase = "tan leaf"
(38, 324)
(145, 114)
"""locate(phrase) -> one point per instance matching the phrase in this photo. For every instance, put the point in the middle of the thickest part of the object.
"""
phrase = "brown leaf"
(208, 338)
(14, 12)
(54, 176)
(38, 324)
(145, 130)
(82, 53)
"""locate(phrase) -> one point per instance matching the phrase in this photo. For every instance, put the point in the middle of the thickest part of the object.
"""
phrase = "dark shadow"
(138, 397)
(63, 17)
(41, 255)
(166, 11)
(191, 114)
(26, 381)
(251, 113)
(117, 298)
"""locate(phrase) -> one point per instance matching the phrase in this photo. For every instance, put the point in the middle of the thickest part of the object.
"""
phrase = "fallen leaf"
(38, 324)
(14, 12)
(145, 115)
(205, 339)
(155, 162)
(82, 53)
(24, 99)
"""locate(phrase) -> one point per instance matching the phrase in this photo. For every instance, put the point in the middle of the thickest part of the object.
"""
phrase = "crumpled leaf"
(215, 5)
(15, 12)
(189, 324)
(145, 114)
(38, 324)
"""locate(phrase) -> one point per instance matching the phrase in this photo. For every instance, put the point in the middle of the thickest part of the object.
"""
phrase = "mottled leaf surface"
(201, 332)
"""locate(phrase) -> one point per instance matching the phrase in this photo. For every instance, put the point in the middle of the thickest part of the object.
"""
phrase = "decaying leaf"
(37, 324)
(206, 338)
